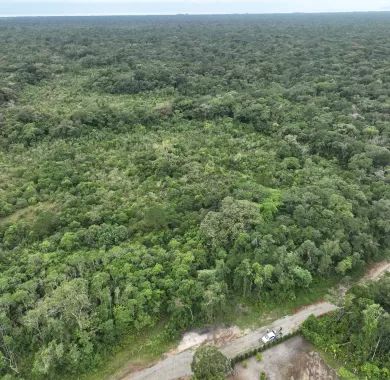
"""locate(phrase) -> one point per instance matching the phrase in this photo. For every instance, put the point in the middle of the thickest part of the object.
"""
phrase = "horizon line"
(188, 14)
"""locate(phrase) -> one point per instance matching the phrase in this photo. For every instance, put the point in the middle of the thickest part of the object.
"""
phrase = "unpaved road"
(179, 365)
(377, 271)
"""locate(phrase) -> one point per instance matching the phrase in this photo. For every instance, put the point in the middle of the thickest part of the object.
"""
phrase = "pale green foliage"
(346, 375)
(344, 265)
(234, 217)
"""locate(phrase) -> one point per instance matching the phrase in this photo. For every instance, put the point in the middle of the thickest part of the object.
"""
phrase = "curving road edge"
(178, 365)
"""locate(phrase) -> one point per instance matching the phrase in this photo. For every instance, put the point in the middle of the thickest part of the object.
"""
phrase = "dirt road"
(179, 365)
(376, 271)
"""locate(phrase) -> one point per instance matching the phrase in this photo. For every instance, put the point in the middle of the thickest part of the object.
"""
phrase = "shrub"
(210, 364)
(263, 376)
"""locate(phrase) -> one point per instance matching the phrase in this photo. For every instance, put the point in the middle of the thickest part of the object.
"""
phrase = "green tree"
(210, 364)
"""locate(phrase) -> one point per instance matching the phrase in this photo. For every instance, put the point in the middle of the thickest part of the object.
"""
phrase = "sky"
(120, 7)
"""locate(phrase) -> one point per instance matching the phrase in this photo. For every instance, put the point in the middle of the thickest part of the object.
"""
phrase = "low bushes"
(261, 348)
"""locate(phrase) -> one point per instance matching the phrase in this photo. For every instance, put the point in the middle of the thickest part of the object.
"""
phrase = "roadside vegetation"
(153, 170)
(146, 346)
(357, 336)
(210, 364)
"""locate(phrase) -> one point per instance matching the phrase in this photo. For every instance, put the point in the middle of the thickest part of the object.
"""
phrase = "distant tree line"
(155, 169)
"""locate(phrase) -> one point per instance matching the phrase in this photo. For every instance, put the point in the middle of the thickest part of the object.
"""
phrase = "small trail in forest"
(376, 271)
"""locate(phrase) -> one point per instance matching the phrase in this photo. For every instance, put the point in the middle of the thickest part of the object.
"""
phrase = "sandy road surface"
(377, 271)
(179, 365)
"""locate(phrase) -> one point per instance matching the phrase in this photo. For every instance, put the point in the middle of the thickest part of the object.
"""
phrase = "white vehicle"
(269, 337)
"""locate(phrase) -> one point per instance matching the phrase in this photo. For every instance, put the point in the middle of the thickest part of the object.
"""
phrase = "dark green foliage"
(359, 333)
(156, 168)
(210, 364)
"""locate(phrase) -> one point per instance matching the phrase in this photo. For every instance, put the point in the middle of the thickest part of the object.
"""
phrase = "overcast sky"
(101, 7)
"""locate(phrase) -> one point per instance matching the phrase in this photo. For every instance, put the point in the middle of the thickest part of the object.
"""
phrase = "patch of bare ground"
(217, 336)
(293, 359)
(303, 307)
(310, 366)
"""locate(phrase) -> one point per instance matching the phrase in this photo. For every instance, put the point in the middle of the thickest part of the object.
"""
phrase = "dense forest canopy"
(155, 167)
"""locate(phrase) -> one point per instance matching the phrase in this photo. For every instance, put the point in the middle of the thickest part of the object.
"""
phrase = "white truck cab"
(269, 337)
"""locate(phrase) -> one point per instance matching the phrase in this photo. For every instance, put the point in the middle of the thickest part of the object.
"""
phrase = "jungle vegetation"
(358, 334)
(155, 168)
